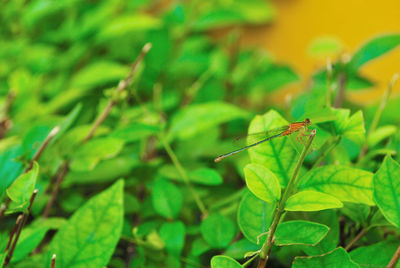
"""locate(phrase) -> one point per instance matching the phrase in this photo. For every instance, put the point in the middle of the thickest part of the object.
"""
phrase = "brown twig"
(21, 224)
(356, 238)
(123, 85)
(14, 229)
(42, 147)
(395, 259)
(53, 261)
(5, 123)
(60, 176)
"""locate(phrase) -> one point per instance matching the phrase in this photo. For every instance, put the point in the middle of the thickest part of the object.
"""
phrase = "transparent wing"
(257, 136)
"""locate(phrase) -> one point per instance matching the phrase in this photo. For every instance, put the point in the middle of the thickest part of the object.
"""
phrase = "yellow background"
(299, 22)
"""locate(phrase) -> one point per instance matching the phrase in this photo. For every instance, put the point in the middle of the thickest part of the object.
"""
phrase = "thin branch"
(356, 238)
(53, 261)
(42, 147)
(14, 229)
(183, 174)
(123, 84)
(267, 246)
(378, 115)
(25, 216)
(395, 259)
(60, 176)
(327, 151)
(249, 260)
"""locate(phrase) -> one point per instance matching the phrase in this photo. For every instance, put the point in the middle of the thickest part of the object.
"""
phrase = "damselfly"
(274, 133)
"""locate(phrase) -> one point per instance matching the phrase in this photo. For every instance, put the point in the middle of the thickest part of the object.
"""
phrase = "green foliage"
(188, 98)
(254, 217)
(92, 232)
(336, 258)
(166, 198)
(217, 230)
(21, 190)
(311, 201)
(373, 49)
(300, 232)
(262, 183)
(345, 183)
(387, 190)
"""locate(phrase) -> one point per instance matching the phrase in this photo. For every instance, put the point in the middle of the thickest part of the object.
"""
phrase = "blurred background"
(213, 66)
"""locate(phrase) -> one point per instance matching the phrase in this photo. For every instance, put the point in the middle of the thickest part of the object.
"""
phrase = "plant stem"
(21, 224)
(356, 238)
(341, 88)
(267, 246)
(183, 174)
(378, 115)
(327, 151)
(250, 260)
(395, 259)
(328, 82)
(41, 149)
(123, 85)
(60, 176)
(53, 261)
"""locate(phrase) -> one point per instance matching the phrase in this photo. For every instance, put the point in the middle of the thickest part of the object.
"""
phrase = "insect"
(275, 133)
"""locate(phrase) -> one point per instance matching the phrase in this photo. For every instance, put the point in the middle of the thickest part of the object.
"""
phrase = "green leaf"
(345, 183)
(89, 154)
(21, 190)
(324, 46)
(300, 233)
(205, 176)
(135, 131)
(99, 73)
(107, 170)
(275, 77)
(221, 261)
(10, 169)
(238, 249)
(129, 24)
(356, 212)
(237, 12)
(367, 256)
(91, 234)
(373, 49)
(350, 127)
(262, 183)
(68, 121)
(380, 134)
(336, 258)
(357, 82)
(217, 230)
(331, 240)
(254, 217)
(173, 235)
(167, 199)
(29, 239)
(387, 190)
(197, 118)
(277, 155)
(311, 201)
